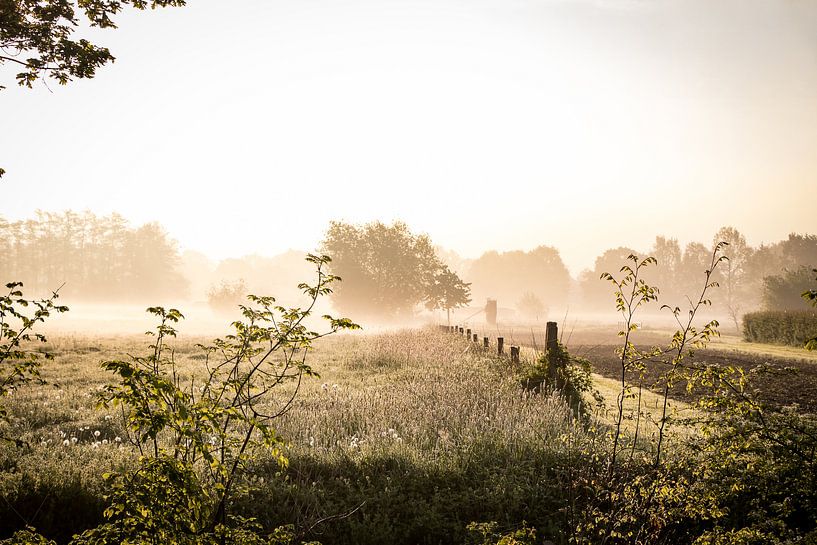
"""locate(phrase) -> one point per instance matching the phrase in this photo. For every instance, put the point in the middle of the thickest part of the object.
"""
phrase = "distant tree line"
(97, 257)
(769, 276)
(531, 281)
(388, 272)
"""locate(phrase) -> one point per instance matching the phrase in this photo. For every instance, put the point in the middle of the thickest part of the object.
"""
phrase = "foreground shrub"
(195, 435)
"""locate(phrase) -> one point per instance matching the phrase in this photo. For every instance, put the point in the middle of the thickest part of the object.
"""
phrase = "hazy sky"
(245, 126)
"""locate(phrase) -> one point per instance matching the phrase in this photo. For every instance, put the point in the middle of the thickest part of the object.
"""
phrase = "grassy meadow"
(409, 436)
(416, 428)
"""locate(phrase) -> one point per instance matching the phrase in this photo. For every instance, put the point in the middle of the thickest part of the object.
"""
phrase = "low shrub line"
(790, 327)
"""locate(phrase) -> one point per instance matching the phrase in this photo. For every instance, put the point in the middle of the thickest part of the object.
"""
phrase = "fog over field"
(408, 272)
(489, 125)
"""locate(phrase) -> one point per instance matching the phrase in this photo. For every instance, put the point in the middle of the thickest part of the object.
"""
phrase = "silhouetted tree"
(447, 291)
(732, 275)
(798, 251)
(667, 252)
(784, 291)
(387, 270)
(36, 36)
(694, 262)
(530, 306)
(766, 260)
(227, 295)
(595, 293)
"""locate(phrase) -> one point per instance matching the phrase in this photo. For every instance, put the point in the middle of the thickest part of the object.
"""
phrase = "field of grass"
(422, 432)
(404, 439)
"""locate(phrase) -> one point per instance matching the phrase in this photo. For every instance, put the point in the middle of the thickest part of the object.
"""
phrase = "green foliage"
(756, 461)
(162, 500)
(487, 533)
(19, 364)
(568, 375)
(219, 422)
(744, 474)
(29, 536)
(793, 328)
(196, 435)
(471, 445)
(36, 35)
(631, 293)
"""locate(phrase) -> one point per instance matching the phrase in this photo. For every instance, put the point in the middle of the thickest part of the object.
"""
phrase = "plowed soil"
(787, 382)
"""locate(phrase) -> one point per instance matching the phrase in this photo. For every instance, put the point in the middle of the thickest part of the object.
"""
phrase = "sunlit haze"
(245, 127)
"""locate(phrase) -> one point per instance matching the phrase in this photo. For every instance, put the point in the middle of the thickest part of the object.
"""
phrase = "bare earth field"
(791, 377)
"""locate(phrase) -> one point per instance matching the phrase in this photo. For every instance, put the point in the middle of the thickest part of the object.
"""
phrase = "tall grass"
(420, 430)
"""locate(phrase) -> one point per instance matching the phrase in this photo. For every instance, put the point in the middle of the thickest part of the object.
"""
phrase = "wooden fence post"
(551, 336)
(462, 331)
(514, 354)
(500, 345)
(468, 333)
(476, 339)
(485, 343)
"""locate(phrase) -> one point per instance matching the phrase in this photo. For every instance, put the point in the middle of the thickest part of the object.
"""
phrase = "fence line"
(551, 339)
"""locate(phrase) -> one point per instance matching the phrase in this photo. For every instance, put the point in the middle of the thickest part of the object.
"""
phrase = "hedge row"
(792, 327)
